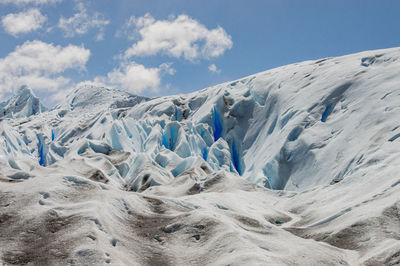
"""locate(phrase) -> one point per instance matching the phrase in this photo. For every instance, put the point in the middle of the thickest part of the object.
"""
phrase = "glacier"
(23, 104)
(296, 165)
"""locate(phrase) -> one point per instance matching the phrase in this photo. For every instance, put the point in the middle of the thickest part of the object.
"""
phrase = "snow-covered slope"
(92, 99)
(23, 104)
(295, 165)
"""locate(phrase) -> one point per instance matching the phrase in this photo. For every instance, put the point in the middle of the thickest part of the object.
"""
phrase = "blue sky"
(167, 47)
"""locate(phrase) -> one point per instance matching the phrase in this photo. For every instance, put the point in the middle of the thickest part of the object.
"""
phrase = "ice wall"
(294, 127)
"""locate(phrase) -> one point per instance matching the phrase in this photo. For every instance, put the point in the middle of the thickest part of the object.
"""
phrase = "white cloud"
(176, 37)
(34, 2)
(213, 68)
(39, 65)
(23, 22)
(137, 78)
(133, 77)
(128, 30)
(81, 22)
(167, 68)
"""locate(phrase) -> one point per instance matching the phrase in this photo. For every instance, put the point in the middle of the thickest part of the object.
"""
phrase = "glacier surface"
(297, 165)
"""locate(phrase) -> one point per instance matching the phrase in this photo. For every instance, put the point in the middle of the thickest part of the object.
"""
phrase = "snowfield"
(298, 165)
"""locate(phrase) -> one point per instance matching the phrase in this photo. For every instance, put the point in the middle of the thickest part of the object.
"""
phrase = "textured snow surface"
(24, 103)
(298, 165)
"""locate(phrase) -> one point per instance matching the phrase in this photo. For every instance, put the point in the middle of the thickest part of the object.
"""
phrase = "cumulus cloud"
(33, 2)
(23, 22)
(213, 68)
(81, 22)
(39, 65)
(176, 37)
(134, 77)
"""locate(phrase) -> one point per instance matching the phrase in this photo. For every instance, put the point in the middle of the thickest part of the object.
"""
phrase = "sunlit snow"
(295, 165)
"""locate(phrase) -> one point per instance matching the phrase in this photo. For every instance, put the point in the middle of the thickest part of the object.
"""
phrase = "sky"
(164, 47)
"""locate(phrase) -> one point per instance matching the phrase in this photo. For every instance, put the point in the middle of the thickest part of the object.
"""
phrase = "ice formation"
(295, 165)
(24, 103)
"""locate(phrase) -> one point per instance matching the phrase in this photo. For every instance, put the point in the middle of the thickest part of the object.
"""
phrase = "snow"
(294, 165)
(23, 104)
